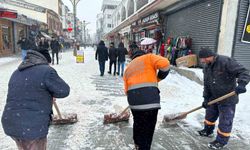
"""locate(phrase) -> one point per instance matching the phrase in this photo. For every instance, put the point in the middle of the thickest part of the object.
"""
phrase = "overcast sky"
(87, 10)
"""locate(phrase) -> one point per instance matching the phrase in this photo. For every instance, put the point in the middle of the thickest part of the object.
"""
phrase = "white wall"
(27, 12)
(50, 4)
(227, 28)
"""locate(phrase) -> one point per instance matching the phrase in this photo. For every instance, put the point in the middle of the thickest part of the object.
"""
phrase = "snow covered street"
(92, 96)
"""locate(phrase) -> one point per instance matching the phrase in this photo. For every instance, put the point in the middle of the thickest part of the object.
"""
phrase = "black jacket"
(220, 78)
(24, 44)
(101, 53)
(55, 46)
(112, 54)
(121, 54)
(43, 45)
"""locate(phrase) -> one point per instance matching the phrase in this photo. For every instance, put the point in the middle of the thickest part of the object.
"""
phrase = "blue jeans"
(24, 53)
(121, 64)
(102, 67)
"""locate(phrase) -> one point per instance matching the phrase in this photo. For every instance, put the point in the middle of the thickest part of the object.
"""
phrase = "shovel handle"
(213, 102)
(124, 111)
(57, 109)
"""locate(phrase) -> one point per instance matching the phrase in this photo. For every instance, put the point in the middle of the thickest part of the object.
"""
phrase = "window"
(109, 16)
(109, 25)
(6, 37)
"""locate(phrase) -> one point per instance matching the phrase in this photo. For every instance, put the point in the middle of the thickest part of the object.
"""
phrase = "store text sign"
(246, 31)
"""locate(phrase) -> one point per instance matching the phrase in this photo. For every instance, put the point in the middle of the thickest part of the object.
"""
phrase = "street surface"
(92, 96)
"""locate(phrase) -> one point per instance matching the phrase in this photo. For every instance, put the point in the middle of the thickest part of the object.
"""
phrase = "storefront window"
(6, 37)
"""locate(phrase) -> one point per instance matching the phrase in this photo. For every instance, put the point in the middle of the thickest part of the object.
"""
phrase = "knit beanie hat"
(206, 52)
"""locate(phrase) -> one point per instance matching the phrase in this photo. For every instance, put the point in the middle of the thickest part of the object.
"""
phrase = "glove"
(240, 89)
(204, 104)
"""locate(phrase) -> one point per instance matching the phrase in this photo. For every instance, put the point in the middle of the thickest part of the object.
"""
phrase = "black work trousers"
(144, 127)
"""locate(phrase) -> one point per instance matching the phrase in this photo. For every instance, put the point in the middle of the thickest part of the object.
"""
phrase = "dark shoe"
(109, 72)
(205, 133)
(216, 145)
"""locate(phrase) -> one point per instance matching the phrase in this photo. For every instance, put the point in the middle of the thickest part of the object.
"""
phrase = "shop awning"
(46, 35)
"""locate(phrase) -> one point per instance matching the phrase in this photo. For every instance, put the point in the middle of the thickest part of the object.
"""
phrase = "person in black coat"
(27, 113)
(222, 75)
(102, 56)
(55, 47)
(24, 44)
(122, 51)
(112, 58)
(43, 44)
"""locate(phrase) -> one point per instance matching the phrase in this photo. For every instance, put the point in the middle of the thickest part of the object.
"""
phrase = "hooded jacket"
(101, 52)
(27, 113)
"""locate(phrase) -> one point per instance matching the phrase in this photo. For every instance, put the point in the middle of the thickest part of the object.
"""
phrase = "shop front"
(241, 46)
(6, 37)
(191, 25)
(146, 27)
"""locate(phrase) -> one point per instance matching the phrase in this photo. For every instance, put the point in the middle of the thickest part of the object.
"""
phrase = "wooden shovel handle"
(57, 109)
(213, 101)
(124, 111)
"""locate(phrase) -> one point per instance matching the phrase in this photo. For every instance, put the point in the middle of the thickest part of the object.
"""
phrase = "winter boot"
(207, 131)
(216, 145)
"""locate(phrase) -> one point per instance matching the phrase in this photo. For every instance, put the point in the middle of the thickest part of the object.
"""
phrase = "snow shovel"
(60, 119)
(114, 117)
(182, 115)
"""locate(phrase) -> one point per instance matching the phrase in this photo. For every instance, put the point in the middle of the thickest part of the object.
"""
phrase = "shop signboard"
(4, 13)
(151, 18)
(246, 32)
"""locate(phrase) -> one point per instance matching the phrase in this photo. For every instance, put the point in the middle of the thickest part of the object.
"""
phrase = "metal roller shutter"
(241, 51)
(200, 21)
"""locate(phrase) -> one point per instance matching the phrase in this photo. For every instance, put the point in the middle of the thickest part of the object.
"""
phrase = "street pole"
(84, 29)
(74, 3)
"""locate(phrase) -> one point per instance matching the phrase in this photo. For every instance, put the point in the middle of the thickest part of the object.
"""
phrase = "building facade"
(219, 25)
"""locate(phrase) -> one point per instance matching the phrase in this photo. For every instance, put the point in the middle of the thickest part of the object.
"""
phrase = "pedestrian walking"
(141, 87)
(24, 44)
(55, 47)
(112, 58)
(222, 75)
(27, 113)
(122, 52)
(43, 43)
(102, 56)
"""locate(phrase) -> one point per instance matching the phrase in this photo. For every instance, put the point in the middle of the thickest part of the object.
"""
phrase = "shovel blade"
(174, 117)
(66, 119)
(114, 117)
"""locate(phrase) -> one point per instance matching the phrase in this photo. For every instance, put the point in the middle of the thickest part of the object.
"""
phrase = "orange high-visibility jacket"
(142, 71)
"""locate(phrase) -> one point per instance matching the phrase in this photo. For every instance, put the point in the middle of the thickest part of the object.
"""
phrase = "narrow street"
(92, 96)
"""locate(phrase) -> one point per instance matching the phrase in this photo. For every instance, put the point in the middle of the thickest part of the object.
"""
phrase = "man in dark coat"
(122, 51)
(55, 47)
(220, 76)
(24, 44)
(101, 55)
(112, 58)
(27, 113)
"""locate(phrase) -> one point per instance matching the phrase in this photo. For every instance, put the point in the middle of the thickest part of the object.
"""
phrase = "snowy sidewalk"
(93, 96)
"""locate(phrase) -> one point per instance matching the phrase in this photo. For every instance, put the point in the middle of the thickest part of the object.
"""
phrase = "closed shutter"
(241, 51)
(200, 21)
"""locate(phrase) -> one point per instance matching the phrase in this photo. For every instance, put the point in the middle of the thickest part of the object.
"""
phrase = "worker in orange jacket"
(141, 87)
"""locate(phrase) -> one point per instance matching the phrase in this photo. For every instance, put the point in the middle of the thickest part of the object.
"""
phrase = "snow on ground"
(93, 96)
